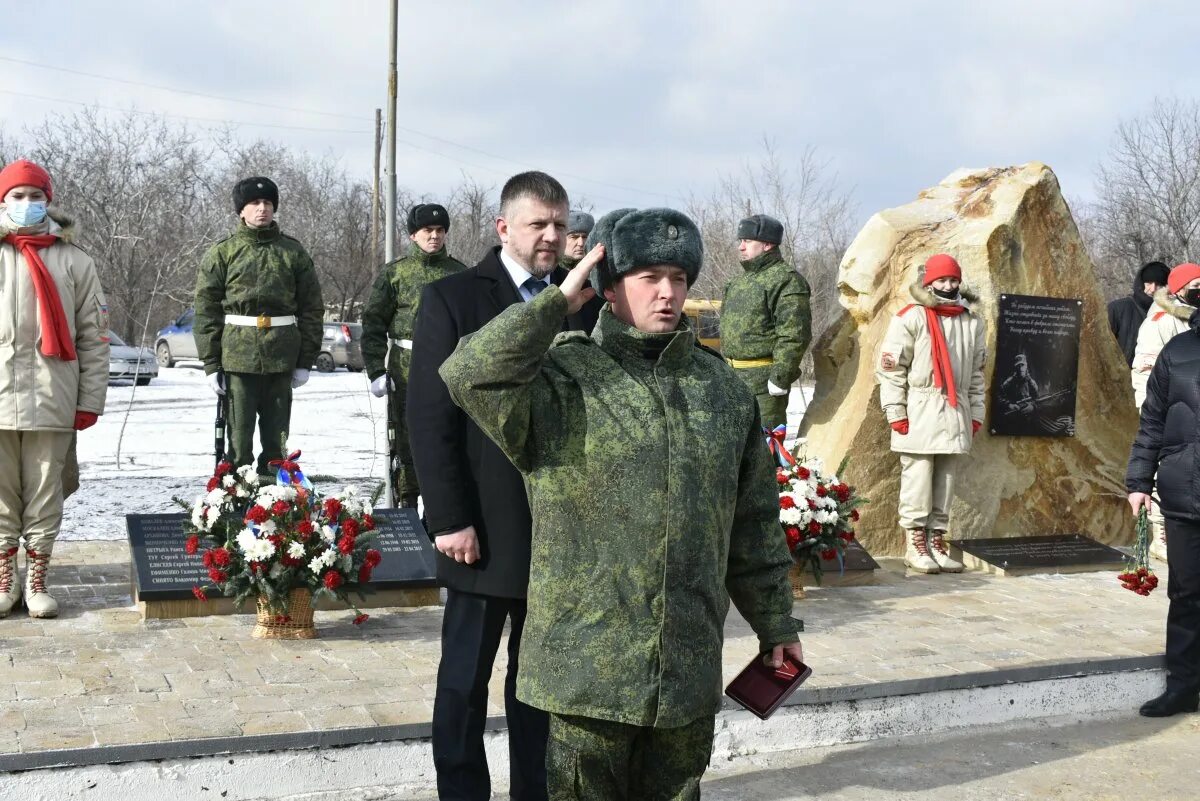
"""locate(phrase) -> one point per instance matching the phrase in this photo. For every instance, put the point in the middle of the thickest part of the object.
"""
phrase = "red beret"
(941, 266)
(1181, 276)
(25, 173)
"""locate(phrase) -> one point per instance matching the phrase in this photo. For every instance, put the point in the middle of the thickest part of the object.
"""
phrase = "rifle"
(219, 425)
(393, 463)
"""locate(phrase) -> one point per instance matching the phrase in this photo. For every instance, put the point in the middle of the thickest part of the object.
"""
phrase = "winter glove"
(774, 390)
(299, 378)
(901, 426)
(975, 426)
(216, 382)
(85, 420)
(381, 385)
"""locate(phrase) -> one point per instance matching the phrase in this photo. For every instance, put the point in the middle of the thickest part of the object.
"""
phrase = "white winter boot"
(38, 601)
(10, 582)
(917, 554)
(941, 555)
(1158, 541)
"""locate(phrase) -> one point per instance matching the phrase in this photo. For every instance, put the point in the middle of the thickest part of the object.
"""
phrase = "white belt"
(402, 343)
(261, 321)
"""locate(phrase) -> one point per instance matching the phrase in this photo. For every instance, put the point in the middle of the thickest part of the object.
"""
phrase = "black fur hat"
(761, 228)
(655, 236)
(602, 235)
(248, 190)
(424, 215)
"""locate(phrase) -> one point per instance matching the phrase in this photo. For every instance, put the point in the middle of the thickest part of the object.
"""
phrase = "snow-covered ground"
(156, 442)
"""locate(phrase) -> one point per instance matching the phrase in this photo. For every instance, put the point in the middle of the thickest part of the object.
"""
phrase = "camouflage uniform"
(766, 318)
(257, 271)
(390, 313)
(655, 426)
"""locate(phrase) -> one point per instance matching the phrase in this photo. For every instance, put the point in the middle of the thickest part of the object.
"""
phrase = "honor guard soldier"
(579, 225)
(766, 323)
(258, 322)
(388, 321)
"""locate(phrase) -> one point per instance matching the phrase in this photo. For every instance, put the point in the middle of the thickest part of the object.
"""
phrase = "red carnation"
(280, 507)
(290, 561)
(362, 618)
(814, 527)
(223, 467)
(346, 545)
(333, 579)
(786, 502)
(221, 557)
(193, 544)
(854, 515)
(333, 508)
(822, 491)
(199, 593)
(207, 559)
(373, 557)
(781, 475)
(793, 536)
(364, 573)
(847, 535)
(828, 553)
(217, 576)
(803, 473)
(350, 528)
(213, 483)
(257, 514)
(305, 529)
(812, 504)
(368, 523)
(256, 567)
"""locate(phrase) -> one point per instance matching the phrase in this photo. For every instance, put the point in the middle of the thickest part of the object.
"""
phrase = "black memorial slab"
(163, 571)
(854, 557)
(1048, 553)
(1037, 366)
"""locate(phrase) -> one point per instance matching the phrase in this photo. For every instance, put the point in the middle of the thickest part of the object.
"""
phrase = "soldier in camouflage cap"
(258, 322)
(579, 225)
(635, 417)
(389, 317)
(765, 319)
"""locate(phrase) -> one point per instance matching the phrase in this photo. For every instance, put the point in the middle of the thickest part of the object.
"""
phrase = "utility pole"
(375, 191)
(389, 222)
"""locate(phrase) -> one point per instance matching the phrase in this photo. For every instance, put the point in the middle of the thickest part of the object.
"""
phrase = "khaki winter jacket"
(904, 370)
(1168, 317)
(37, 392)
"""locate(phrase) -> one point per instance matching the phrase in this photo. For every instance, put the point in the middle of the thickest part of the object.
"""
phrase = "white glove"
(215, 383)
(381, 385)
(299, 378)
(774, 390)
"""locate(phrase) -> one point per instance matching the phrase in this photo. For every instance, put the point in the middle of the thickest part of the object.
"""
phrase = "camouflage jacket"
(766, 316)
(626, 610)
(253, 272)
(392, 308)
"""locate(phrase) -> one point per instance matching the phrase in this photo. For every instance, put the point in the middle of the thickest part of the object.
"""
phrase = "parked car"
(175, 342)
(128, 363)
(705, 317)
(341, 346)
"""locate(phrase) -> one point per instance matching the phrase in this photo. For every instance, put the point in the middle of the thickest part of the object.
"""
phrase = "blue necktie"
(533, 286)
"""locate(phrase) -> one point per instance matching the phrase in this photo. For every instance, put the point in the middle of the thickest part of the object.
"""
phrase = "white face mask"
(26, 212)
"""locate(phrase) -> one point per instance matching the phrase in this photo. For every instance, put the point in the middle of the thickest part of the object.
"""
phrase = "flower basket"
(817, 512)
(295, 624)
(283, 544)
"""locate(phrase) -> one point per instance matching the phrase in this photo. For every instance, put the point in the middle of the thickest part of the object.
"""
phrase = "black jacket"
(1168, 437)
(1125, 314)
(465, 479)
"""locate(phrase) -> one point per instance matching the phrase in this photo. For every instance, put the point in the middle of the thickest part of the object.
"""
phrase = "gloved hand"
(85, 419)
(774, 390)
(975, 426)
(900, 426)
(299, 378)
(381, 385)
(216, 382)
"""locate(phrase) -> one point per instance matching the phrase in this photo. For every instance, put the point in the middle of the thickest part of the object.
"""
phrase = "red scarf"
(56, 334)
(943, 372)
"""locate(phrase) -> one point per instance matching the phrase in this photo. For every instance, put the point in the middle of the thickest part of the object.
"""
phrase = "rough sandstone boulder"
(1012, 232)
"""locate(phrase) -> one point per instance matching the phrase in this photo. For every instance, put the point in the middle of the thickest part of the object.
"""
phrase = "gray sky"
(632, 102)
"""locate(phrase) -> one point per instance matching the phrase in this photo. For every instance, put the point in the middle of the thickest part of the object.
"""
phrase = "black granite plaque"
(408, 555)
(162, 569)
(1037, 364)
(854, 557)
(1049, 551)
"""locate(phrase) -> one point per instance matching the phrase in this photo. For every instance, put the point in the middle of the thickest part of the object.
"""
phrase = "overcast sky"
(629, 102)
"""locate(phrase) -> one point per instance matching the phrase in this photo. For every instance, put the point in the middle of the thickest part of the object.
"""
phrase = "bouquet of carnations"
(817, 512)
(1137, 576)
(265, 540)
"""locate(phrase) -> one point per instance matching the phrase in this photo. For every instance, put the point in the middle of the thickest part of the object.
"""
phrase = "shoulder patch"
(887, 361)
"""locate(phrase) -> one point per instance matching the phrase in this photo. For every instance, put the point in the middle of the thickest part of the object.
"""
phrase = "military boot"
(916, 556)
(38, 601)
(941, 555)
(10, 582)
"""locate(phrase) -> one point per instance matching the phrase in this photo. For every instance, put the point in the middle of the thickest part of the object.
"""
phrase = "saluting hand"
(575, 287)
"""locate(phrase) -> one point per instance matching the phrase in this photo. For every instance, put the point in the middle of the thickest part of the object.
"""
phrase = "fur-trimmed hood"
(925, 297)
(1164, 300)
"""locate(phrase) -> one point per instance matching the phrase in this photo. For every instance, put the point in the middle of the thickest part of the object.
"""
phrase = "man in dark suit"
(476, 509)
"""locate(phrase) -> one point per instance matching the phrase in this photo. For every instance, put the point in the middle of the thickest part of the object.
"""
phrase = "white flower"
(215, 497)
(198, 517)
(789, 517)
(806, 516)
(211, 515)
(245, 540)
(226, 481)
(833, 515)
(267, 528)
(242, 492)
(276, 570)
(829, 502)
(248, 473)
(350, 492)
(296, 550)
(260, 550)
(328, 534)
(322, 560)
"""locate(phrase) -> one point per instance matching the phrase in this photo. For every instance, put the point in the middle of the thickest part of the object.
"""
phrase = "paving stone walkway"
(100, 675)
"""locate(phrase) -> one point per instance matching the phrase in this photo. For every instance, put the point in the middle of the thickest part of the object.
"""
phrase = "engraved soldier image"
(258, 322)
(766, 323)
(388, 322)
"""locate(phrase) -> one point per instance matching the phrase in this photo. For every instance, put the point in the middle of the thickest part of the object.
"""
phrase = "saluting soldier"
(388, 321)
(258, 322)
(766, 323)
(579, 225)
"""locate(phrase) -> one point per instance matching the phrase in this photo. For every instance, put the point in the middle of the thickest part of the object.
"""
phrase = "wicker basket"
(297, 626)
(796, 576)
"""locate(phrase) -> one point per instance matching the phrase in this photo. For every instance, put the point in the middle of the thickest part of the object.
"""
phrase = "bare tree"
(473, 210)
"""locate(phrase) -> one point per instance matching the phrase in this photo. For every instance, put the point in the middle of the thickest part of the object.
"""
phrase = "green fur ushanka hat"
(644, 238)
